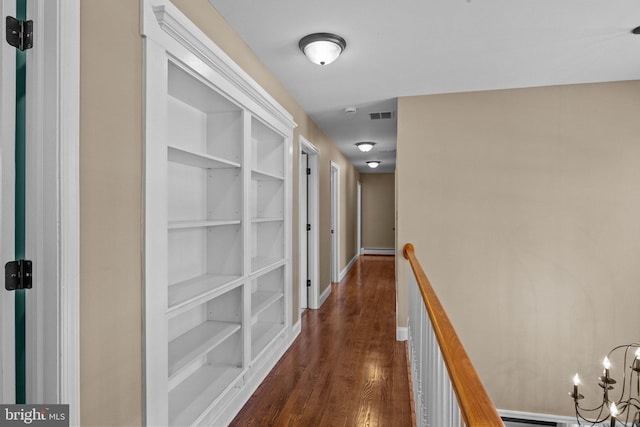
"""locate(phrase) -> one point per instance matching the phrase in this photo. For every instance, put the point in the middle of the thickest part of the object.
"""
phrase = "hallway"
(346, 367)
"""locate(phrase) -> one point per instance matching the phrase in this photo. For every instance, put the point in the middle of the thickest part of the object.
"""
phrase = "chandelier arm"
(634, 399)
(598, 408)
(598, 419)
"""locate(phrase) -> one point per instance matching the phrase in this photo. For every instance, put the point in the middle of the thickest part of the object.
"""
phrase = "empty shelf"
(200, 160)
(197, 342)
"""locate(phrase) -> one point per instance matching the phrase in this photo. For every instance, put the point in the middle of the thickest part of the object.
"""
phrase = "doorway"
(51, 195)
(359, 219)
(309, 225)
(7, 188)
(335, 222)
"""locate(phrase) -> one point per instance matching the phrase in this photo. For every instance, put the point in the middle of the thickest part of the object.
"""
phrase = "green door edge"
(20, 159)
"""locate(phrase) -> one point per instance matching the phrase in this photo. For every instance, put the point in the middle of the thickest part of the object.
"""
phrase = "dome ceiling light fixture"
(322, 48)
(365, 147)
(373, 164)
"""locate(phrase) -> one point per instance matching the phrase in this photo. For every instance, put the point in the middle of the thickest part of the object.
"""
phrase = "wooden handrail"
(476, 407)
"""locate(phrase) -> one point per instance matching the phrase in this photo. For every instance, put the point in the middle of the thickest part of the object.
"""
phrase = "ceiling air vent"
(381, 116)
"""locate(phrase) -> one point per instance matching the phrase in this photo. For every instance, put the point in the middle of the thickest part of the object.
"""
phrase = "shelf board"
(262, 334)
(261, 300)
(200, 160)
(259, 175)
(258, 220)
(198, 392)
(180, 225)
(197, 288)
(258, 263)
(198, 342)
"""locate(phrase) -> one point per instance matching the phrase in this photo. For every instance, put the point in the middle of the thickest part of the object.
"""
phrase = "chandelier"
(621, 406)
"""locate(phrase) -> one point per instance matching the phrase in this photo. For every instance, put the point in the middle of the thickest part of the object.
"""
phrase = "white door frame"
(313, 199)
(335, 222)
(7, 186)
(53, 199)
(359, 219)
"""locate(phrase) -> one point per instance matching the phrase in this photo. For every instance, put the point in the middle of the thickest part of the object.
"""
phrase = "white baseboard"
(562, 421)
(378, 251)
(295, 331)
(402, 334)
(324, 295)
(348, 267)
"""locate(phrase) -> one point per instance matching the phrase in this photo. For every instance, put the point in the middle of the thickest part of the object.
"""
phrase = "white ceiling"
(416, 47)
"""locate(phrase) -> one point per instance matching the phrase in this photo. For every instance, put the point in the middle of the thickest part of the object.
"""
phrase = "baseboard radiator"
(446, 387)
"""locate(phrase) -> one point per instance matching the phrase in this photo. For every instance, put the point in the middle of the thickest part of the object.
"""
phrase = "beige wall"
(110, 213)
(523, 206)
(111, 150)
(378, 210)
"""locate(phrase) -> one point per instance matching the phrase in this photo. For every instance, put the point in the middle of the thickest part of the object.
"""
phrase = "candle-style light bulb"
(613, 410)
(576, 381)
(638, 353)
(607, 364)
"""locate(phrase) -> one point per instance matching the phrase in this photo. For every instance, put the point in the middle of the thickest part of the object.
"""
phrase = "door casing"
(335, 222)
(312, 261)
(52, 200)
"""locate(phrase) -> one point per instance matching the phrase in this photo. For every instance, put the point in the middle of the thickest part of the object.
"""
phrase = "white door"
(7, 187)
(308, 214)
(51, 195)
(335, 222)
(304, 230)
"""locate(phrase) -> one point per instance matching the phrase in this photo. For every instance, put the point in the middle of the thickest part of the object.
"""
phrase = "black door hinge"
(308, 227)
(308, 171)
(18, 275)
(308, 282)
(19, 33)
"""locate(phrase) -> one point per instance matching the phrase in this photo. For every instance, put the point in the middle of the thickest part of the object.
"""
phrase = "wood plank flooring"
(346, 367)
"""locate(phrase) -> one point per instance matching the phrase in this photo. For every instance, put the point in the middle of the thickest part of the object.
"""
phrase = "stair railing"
(447, 389)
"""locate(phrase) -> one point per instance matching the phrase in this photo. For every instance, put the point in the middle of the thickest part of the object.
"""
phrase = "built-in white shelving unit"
(217, 226)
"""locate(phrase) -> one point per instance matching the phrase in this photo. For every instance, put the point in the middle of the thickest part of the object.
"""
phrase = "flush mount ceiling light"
(365, 146)
(373, 164)
(322, 48)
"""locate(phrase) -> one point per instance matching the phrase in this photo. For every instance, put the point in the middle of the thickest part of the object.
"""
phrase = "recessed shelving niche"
(217, 226)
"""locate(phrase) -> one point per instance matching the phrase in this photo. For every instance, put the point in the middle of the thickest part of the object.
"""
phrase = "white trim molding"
(324, 296)
(334, 181)
(313, 196)
(561, 421)
(346, 269)
(402, 333)
(378, 251)
(296, 328)
(53, 214)
(69, 205)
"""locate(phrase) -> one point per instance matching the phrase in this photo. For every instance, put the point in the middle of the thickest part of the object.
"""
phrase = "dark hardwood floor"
(346, 367)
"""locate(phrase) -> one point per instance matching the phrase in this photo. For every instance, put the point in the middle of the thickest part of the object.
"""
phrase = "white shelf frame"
(198, 342)
(213, 285)
(258, 175)
(211, 394)
(205, 223)
(200, 160)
